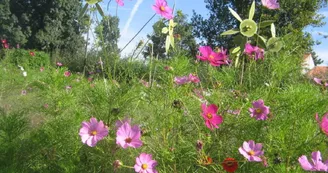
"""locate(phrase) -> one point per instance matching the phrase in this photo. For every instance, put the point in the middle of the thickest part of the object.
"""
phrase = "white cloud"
(125, 38)
(323, 54)
(325, 13)
(133, 12)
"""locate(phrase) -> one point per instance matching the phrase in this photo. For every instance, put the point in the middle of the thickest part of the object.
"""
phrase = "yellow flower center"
(162, 8)
(144, 166)
(94, 132)
(128, 140)
(251, 153)
(209, 116)
(258, 110)
(211, 57)
(229, 163)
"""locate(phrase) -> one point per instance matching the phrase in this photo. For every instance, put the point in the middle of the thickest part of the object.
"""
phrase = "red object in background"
(3, 41)
(32, 53)
(230, 164)
(6, 45)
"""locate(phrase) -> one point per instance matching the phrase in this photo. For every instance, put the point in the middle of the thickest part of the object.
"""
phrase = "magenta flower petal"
(316, 165)
(145, 164)
(128, 136)
(251, 151)
(212, 120)
(271, 4)
(92, 132)
(120, 2)
(181, 80)
(259, 110)
(323, 124)
(163, 9)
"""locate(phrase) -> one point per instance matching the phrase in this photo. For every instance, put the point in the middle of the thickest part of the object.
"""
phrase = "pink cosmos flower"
(254, 52)
(41, 69)
(259, 110)
(67, 74)
(271, 4)
(251, 151)
(193, 78)
(181, 80)
(145, 164)
(120, 2)
(323, 123)
(3, 41)
(215, 58)
(32, 53)
(317, 164)
(223, 57)
(320, 82)
(59, 64)
(128, 136)
(144, 83)
(68, 87)
(93, 131)
(119, 123)
(163, 9)
(212, 120)
(23, 92)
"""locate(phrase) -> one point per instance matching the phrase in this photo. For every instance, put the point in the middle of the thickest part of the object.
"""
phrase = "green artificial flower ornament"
(274, 44)
(248, 28)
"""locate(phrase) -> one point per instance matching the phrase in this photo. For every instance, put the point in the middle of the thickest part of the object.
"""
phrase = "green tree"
(184, 40)
(108, 33)
(50, 25)
(9, 25)
(292, 17)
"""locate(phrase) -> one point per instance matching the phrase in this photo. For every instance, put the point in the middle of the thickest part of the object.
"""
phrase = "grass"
(39, 130)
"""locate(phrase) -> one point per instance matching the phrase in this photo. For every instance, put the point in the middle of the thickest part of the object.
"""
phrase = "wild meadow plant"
(167, 120)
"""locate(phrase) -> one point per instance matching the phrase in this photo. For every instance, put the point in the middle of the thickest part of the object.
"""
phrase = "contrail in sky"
(133, 12)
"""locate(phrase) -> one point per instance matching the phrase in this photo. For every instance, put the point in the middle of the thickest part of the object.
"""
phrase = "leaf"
(260, 41)
(266, 23)
(84, 10)
(235, 14)
(91, 2)
(101, 12)
(165, 30)
(252, 11)
(167, 44)
(172, 41)
(273, 30)
(237, 61)
(230, 32)
(235, 50)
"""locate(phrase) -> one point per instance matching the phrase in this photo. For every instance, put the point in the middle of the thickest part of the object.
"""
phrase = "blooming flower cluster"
(215, 58)
(127, 135)
(4, 43)
(254, 52)
(186, 79)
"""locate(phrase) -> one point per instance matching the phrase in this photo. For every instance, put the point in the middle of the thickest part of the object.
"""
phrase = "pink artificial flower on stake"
(67, 74)
(251, 151)
(127, 136)
(323, 123)
(317, 164)
(259, 110)
(93, 131)
(163, 9)
(212, 120)
(145, 164)
(193, 78)
(271, 4)
(181, 80)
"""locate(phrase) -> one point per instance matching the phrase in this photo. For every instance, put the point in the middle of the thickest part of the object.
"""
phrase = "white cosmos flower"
(24, 73)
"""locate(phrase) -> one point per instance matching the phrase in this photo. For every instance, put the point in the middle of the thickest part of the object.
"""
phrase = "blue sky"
(138, 12)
